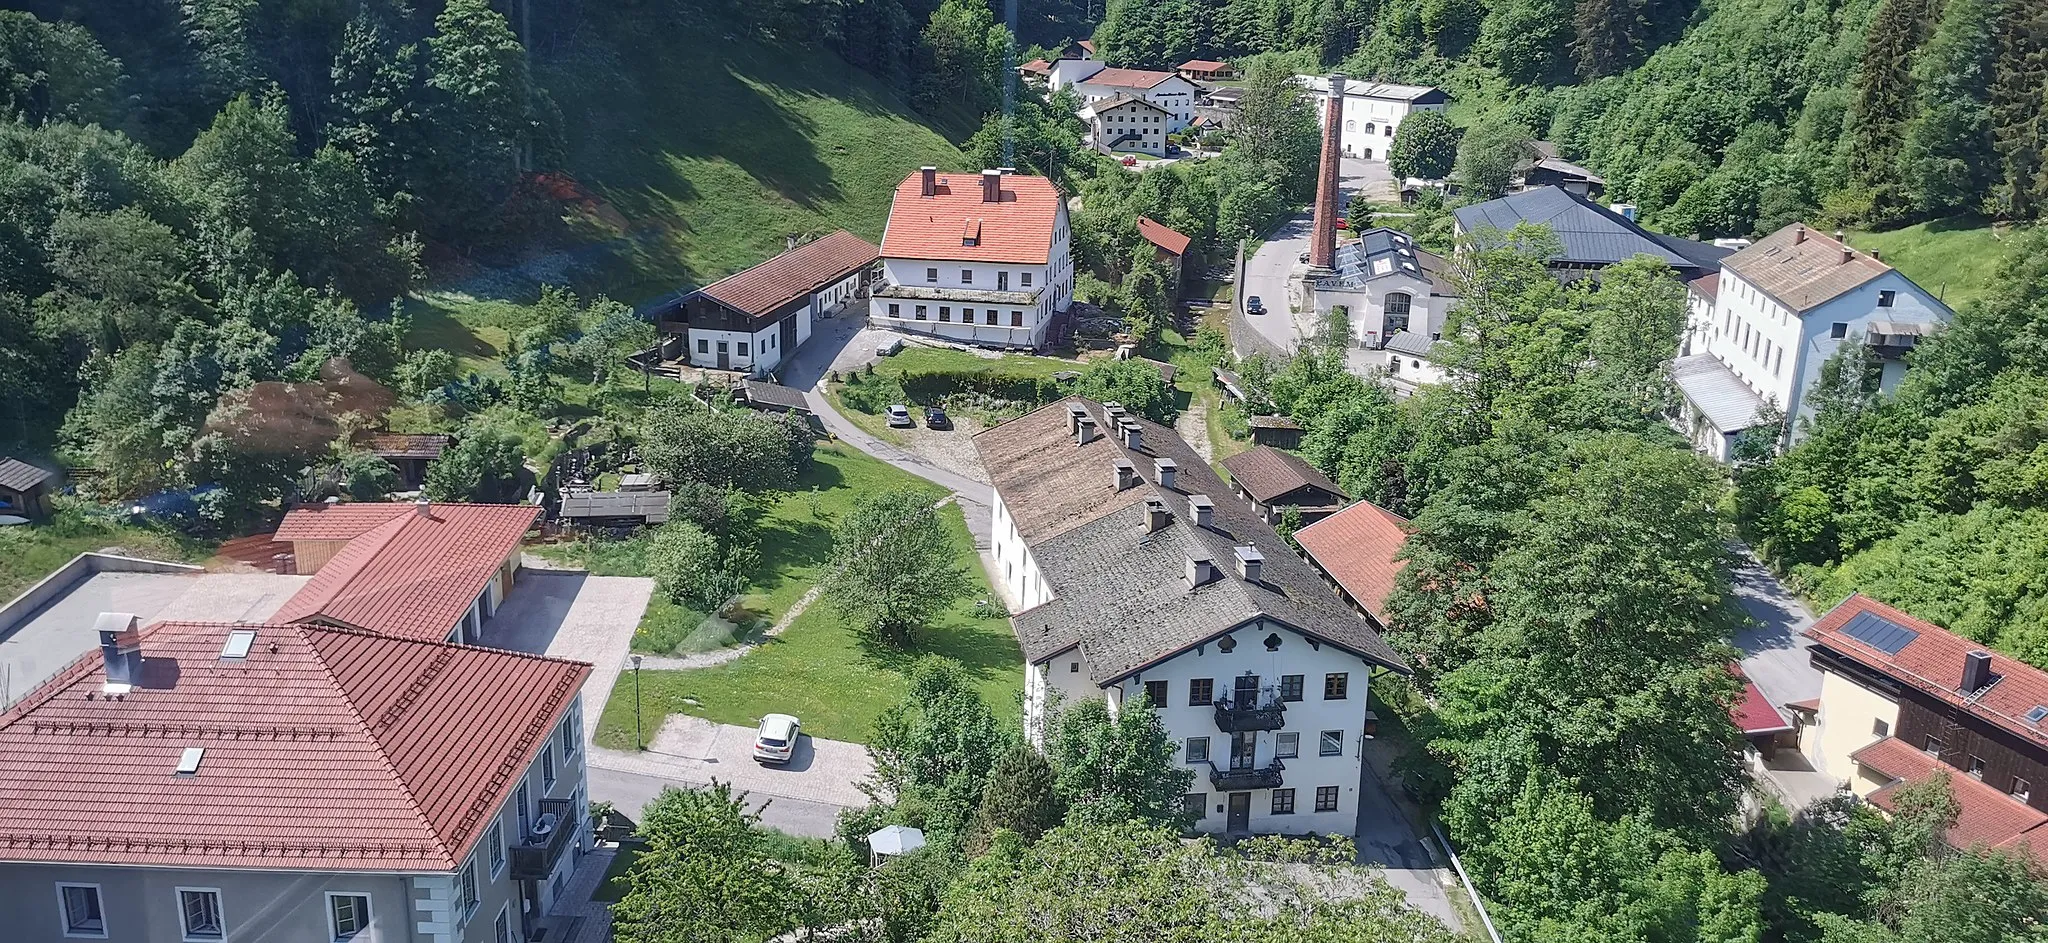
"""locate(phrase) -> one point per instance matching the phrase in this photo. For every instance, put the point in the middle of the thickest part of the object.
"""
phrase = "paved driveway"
(808, 792)
(570, 614)
(1387, 842)
(1271, 275)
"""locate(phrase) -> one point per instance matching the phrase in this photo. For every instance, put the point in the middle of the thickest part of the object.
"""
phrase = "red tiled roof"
(1985, 816)
(1933, 663)
(416, 574)
(1016, 229)
(401, 445)
(1707, 286)
(795, 273)
(1128, 78)
(1163, 236)
(1087, 44)
(1358, 547)
(1753, 714)
(1203, 65)
(1037, 67)
(325, 750)
(336, 521)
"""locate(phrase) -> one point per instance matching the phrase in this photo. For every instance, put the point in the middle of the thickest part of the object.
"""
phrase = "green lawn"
(1954, 258)
(713, 147)
(914, 359)
(795, 534)
(823, 673)
(30, 552)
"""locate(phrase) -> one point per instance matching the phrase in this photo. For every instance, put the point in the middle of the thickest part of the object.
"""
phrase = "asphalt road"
(1773, 651)
(630, 792)
(1274, 272)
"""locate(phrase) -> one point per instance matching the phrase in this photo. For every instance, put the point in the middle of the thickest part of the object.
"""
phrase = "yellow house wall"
(1847, 723)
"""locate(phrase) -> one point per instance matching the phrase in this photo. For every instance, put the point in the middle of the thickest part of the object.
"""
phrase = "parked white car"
(775, 741)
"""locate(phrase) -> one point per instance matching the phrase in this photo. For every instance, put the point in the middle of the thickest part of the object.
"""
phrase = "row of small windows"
(1202, 691)
(923, 313)
(2019, 789)
(931, 277)
(83, 914)
(1196, 804)
(1286, 746)
(704, 346)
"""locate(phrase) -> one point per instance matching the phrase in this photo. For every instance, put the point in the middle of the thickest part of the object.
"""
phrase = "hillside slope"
(713, 148)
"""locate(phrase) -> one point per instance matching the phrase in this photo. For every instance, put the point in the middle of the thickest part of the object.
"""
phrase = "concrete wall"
(47, 590)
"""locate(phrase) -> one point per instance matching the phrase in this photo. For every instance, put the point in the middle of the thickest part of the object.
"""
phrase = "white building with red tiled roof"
(976, 258)
(755, 319)
(1095, 82)
(426, 571)
(289, 784)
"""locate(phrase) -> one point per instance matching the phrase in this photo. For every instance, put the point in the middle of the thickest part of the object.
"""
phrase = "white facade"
(1024, 585)
(1134, 125)
(1372, 112)
(1315, 752)
(1174, 94)
(760, 352)
(1066, 72)
(982, 303)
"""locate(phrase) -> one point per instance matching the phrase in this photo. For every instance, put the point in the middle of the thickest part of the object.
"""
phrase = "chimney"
(1168, 471)
(1156, 515)
(1875, 256)
(1126, 474)
(1848, 254)
(1075, 413)
(1250, 563)
(931, 180)
(1201, 509)
(1114, 409)
(1084, 430)
(120, 650)
(1200, 570)
(424, 507)
(991, 186)
(1134, 435)
(789, 242)
(1976, 672)
(1006, 171)
(1322, 244)
(1798, 233)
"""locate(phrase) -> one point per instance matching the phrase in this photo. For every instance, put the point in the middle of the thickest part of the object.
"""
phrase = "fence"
(1471, 892)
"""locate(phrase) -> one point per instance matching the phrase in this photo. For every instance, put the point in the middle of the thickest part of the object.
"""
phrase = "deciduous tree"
(894, 566)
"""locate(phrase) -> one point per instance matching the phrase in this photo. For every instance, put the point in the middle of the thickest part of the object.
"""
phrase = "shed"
(614, 508)
(1274, 480)
(24, 489)
(1279, 432)
(410, 454)
(773, 397)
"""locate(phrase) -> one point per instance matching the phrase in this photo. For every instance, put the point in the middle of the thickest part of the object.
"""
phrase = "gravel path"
(1194, 427)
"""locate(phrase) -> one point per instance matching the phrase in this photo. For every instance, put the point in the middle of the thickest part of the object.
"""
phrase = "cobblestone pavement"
(570, 614)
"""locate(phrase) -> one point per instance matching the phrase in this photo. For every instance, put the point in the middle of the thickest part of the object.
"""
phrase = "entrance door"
(1240, 818)
(788, 336)
(724, 356)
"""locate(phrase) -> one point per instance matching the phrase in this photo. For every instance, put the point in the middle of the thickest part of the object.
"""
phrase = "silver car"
(899, 418)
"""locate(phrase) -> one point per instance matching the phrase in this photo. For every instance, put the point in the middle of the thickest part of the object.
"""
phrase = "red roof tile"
(1163, 236)
(795, 273)
(1203, 65)
(1933, 663)
(1016, 229)
(1358, 547)
(1037, 67)
(416, 574)
(1087, 44)
(1128, 78)
(1985, 816)
(336, 521)
(1707, 286)
(1753, 714)
(325, 750)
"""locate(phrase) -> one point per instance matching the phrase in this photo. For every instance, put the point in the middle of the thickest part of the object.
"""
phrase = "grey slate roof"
(1411, 343)
(774, 394)
(1121, 592)
(1716, 392)
(651, 505)
(17, 475)
(1590, 233)
(1382, 253)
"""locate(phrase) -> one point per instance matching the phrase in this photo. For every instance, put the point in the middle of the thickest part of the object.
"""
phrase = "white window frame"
(334, 924)
(64, 912)
(501, 931)
(219, 912)
(468, 893)
(572, 733)
(547, 767)
(494, 837)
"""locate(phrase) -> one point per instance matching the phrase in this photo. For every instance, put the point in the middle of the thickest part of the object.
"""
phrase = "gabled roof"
(794, 274)
(1017, 229)
(1590, 234)
(1121, 594)
(1707, 286)
(17, 475)
(1922, 655)
(1382, 253)
(1984, 815)
(1129, 78)
(1036, 67)
(324, 750)
(1803, 268)
(1107, 105)
(1385, 91)
(1203, 65)
(1360, 548)
(1086, 44)
(415, 574)
(1266, 473)
(774, 394)
(1163, 236)
(402, 445)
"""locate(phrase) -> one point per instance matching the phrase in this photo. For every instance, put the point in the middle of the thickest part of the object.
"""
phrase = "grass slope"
(1955, 258)
(29, 553)
(716, 147)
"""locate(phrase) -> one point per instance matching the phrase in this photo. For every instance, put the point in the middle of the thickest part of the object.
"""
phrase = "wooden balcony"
(1231, 718)
(535, 858)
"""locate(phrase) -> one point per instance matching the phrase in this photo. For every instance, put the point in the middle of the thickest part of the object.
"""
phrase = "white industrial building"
(1373, 111)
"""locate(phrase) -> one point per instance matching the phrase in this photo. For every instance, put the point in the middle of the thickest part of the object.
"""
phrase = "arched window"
(1350, 125)
(1369, 127)
(1368, 153)
(1396, 310)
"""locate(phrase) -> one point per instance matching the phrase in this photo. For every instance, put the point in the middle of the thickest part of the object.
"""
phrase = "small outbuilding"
(1279, 432)
(614, 508)
(24, 489)
(1205, 70)
(1274, 480)
(410, 454)
(773, 397)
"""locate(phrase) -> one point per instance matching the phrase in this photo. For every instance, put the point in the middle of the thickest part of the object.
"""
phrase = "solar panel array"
(1879, 632)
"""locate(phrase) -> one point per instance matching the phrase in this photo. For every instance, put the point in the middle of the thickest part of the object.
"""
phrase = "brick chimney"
(1075, 413)
(931, 180)
(1126, 474)
(1134, 435)
(1084, 430)
(1322, 240)
(991, 186)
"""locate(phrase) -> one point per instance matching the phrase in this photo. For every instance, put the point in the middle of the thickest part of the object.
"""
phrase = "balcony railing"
(1238, 780)
(535, 858)
(1231, 718)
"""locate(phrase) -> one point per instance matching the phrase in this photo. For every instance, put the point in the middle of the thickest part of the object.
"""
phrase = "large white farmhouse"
(1139, 577)
(1372, 111)
(1761, 328)
(1094, 82)
(976, 258)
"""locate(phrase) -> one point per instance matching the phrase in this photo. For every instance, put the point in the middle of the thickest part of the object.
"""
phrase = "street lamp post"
(637, 743)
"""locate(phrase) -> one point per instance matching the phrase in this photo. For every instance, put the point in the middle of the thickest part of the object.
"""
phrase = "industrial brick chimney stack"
(1322, 241)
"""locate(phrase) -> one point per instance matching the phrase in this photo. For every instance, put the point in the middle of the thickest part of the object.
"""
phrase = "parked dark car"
(936, 418)
(1254, 305)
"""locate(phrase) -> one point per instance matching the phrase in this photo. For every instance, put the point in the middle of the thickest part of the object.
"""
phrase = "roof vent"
(1134, 435)
(1084, 430)
(188, 761)
(120, 650)
(1251, 564)
(1848, 254)
(1167, 470)
(1075, 413)
(238, 644)
(1126, 474)
(1201, 509)
(1200, 570)
(1976, 672)
(1156, 515)
(424, 506)
(1798, 233)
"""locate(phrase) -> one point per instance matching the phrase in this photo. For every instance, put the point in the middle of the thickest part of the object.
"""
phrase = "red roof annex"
(414, 574)
(1933, 662)
(1359, 547)
(1016, 229)
(1128, 78)
(1753, 713)
(1984, 816)
(324, 750)
(795, 273)
(1163, 236)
